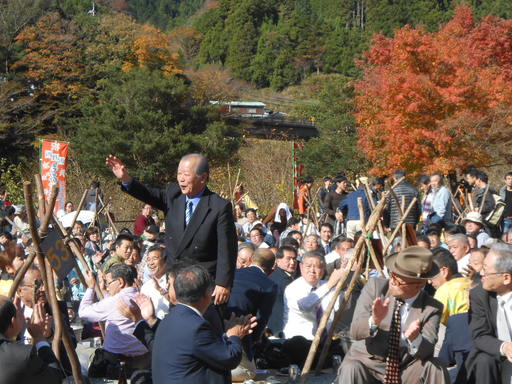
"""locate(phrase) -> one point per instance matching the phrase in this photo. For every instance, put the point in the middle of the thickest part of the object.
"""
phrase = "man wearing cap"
(395, 325)
(475, 226)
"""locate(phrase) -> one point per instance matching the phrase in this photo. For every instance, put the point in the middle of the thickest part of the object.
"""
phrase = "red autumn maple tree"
(426, 101)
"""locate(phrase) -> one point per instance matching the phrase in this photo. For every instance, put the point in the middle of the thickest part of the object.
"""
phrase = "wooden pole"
(77, 212)
(339, 312)
(372, 223)
(78, 255)
(21, 273)
(399, 225)
(470, 201)
(483, 199)
(47, 274)
(109, 218)
(27, 190)
(369, 244)
(45, 222)
(382, 234)
(40, 196)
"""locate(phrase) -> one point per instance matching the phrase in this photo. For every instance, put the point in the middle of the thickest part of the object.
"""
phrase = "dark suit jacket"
(276, 320)
(146, 334)
(483, 308)
(23, 364)
(209, 238)
(367, 348)
(187, 351)
(253, 293)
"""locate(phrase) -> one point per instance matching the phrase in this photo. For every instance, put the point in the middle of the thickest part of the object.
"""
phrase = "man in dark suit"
(199, 223)
(186, 348)
(25, 364)
(254, 293)
(385, 347)
(286, 266)
(489, 360)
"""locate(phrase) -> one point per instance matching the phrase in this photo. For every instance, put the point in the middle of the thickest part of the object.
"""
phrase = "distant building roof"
(239, 103)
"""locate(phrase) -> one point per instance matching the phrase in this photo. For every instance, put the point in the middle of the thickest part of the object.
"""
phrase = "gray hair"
(503, 261)
(246, 245)
(202, 165)
(314, 255)
(315, 236)
(461, 238)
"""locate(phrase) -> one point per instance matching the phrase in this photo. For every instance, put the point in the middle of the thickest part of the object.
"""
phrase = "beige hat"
(475, 217)
(413, 263)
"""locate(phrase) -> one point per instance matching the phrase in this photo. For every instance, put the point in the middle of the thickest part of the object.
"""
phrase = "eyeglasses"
(37, 283)
(483, 273)
(111, 281)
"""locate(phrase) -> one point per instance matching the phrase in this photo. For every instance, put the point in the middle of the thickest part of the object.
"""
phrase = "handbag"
(104, 365)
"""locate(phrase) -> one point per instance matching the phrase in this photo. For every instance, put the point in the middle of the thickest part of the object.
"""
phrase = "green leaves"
(149, 121)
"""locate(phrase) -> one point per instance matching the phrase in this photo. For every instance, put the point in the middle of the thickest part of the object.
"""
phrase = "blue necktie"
(188, 212)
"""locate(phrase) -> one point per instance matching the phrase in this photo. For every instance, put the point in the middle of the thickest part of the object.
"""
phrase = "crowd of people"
(216, 289)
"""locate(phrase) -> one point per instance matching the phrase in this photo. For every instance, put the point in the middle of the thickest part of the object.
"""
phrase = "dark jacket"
(209, 238)
(146, 334)
(483, 308)
(410, 192)
(187, 351)
(253, 293)
(332, 201)
(24, 364)
(276, 320)
(488, 204)
(350, 208)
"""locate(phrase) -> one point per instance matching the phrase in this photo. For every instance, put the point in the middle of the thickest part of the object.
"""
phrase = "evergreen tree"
(150, 121)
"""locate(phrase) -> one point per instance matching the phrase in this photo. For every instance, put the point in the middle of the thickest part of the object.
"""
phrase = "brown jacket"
(367, 348)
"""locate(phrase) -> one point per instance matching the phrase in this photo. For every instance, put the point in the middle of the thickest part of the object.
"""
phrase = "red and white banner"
(54, 161)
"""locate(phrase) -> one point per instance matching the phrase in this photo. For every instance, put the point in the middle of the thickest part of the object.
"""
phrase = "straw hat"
(475, 217)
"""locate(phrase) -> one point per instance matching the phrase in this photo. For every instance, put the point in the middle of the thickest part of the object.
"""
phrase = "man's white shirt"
(160, 303)
(301, 305)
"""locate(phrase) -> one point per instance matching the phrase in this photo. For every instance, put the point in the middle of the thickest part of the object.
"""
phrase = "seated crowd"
(440, 310)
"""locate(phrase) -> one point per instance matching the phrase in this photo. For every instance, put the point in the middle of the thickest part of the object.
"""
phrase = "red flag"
(53, 162)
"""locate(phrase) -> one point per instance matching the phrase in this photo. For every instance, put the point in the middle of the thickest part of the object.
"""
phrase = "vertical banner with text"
(298, 170)
(53, 162)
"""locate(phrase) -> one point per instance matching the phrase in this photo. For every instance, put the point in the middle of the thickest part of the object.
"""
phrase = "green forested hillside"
(277, 43)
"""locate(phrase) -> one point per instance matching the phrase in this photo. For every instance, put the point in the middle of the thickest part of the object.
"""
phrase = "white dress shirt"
(462, 264)
(504, 330)
(301, 307)
(160, 303)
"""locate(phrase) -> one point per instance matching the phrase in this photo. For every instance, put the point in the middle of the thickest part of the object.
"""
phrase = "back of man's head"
(124, 271)
(482, 176)
(265, 259)
(455, 229)
(192, 284)
(398, 174)
(7, 313)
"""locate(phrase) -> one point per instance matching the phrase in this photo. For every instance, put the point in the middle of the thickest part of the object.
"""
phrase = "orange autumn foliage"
(151, 50)
(427, 101)
(52, 56)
